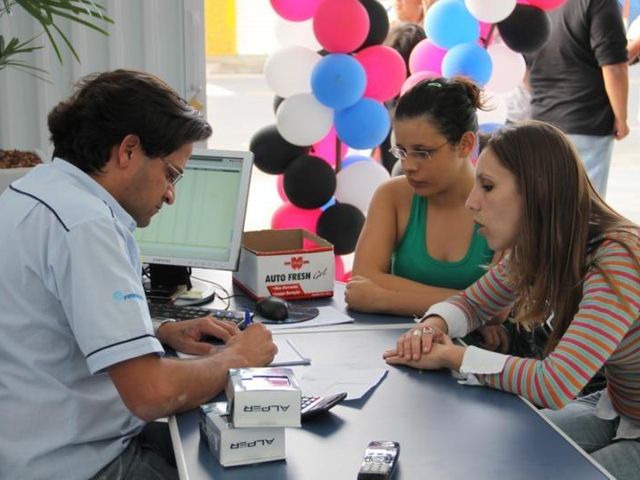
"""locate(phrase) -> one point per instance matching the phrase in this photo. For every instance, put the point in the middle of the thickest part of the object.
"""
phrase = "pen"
(248, 319)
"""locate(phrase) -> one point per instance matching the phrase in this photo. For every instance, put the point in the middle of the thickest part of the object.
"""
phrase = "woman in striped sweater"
(573, 262)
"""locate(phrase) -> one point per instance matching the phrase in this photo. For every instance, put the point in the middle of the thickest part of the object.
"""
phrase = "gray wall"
(164, 37)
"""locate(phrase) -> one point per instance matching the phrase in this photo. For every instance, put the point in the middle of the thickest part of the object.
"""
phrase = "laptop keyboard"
(164, 310)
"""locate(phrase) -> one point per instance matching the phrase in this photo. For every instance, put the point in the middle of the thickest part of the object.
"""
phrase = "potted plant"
(14, 163)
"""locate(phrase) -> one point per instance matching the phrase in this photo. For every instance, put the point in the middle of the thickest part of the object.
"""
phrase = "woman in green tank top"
(419, 244)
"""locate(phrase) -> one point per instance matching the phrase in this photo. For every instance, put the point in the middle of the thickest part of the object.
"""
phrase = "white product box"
(292, 264)
(263, 397)
(238, 446)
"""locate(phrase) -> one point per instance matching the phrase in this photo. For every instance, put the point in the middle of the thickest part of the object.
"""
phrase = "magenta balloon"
(545, 4)
(485, 28)
(415, 78)
(326, 148)
(296, 10)
(289, 216)
(341, 26)
(339, 268)
(426, 56)
(385, 70)
(280, 187)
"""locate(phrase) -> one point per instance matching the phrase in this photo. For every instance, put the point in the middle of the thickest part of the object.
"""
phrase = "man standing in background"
(579, 81)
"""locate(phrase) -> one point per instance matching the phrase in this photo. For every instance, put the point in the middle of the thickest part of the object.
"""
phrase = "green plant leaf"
(78, 11)
(66, 40)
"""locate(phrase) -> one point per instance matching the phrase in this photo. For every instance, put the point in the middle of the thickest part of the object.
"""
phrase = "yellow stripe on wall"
(220, 27)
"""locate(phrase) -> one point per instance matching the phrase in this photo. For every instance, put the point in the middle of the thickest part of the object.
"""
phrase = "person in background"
(572, 262)
(518, 102)
(401, 38)
(579, 81)
(83, 369)
(419, 245)
(410, 11)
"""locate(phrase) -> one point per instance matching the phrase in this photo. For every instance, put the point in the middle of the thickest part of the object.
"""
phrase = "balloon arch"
(332, 76)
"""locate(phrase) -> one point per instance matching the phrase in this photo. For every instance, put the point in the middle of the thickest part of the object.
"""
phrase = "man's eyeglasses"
(401, 153)
(173, 175)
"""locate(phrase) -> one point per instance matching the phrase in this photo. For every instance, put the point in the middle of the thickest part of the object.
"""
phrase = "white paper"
(328, 380)
(287, 354)
(326, 316)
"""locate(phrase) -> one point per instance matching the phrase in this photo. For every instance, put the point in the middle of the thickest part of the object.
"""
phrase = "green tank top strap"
(411, 260)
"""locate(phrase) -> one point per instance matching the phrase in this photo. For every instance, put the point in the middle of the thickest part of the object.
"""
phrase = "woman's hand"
(442, 354)
(495, 338)
(363, 294)
(187, 336)
(418, 340)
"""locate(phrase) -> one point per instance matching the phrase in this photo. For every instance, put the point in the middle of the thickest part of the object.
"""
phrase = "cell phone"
(380, 460)
(312, 406)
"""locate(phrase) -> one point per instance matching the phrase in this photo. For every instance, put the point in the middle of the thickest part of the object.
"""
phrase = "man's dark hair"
(108, 106)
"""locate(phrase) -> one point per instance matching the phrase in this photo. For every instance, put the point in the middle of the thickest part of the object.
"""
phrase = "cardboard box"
(238, 446)
(292, 264)
(263, 397)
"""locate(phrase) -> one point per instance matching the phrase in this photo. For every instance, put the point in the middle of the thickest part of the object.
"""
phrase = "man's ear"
(127, 149)
(467, 143)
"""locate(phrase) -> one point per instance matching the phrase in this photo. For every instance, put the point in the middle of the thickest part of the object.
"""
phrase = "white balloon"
(509, 68)
(490, 11)
(302, 120)
(288, 71)
(296, 33)
(357, 183)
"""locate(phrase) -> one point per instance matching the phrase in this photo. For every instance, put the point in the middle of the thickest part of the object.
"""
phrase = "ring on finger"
(417, 332)
(428, 330)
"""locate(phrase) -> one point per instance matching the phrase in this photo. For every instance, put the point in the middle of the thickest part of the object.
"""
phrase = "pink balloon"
(280, 187)
(339, 267)
(546, 4)
(385, 71)
(485, 28)
(426, 56)
(347, 276)
(341, 26)
(416, 78)
(288, 215)
(326, 148)
(296, 10)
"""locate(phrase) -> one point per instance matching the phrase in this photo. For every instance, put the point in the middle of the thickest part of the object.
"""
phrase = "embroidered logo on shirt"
(121, 296)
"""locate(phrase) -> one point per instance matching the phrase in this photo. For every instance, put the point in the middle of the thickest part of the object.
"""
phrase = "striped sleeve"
(606, 314)
(485, 298)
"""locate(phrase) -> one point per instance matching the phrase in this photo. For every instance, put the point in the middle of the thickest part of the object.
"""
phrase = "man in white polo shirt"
(81, 369)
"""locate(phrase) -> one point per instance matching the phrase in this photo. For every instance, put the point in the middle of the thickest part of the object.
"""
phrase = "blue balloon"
(363, 125)
(469, 60)
(448, 23)
(490, 127)
(338, 81)
(351, 159)
(330, 203)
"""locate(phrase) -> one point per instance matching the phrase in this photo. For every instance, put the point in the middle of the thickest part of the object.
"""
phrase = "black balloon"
(526, 30)
(378, 23)
(277, 100)
(341, 224)
(272, 153)
(309, 182)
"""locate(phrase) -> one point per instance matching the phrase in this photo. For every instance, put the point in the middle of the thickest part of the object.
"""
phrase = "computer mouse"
(273, 308)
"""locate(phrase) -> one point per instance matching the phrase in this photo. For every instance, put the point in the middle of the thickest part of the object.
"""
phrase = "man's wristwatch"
(158, 322)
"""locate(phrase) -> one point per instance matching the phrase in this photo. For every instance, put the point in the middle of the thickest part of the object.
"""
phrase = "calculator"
(315, 405)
